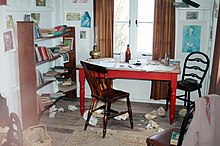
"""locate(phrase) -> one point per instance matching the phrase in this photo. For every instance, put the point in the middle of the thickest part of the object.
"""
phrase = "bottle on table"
(167, 59)
(127, 54)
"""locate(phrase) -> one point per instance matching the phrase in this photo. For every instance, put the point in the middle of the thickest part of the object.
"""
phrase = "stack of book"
(47, 32)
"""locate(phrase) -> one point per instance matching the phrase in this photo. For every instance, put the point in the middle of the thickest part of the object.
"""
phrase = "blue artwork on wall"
(191, 38)
(86, 20)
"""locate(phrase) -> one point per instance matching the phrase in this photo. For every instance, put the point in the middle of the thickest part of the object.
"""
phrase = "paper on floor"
(152, 125)
(72, 107)
(122, 117)
(93, 120)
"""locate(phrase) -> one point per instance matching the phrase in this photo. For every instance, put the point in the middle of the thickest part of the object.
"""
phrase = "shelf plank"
(52, 37)
(48, 60)
(44, 84)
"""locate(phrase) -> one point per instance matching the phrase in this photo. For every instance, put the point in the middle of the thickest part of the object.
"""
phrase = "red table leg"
(173, 97)
(82, 90)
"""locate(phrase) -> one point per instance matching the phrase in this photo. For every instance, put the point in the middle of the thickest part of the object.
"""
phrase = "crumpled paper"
(122, 117)
(152, 125)
(93, 120)
(72, 107)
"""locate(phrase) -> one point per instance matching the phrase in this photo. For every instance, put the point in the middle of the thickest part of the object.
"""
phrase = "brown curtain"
(214, 87)
(163, 41)
(104, 22)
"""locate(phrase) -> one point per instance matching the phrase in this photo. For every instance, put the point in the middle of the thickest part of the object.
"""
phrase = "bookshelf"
(28, 69)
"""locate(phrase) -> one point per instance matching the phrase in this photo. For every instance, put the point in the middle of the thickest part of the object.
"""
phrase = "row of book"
(42, 53)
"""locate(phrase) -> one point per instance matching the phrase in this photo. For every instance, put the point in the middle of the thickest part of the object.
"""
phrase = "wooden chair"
(195, 68)
(163, 138)
(15, 133)
(97, 78)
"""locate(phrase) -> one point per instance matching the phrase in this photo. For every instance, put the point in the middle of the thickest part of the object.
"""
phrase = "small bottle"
(167, 59)
(127, 54)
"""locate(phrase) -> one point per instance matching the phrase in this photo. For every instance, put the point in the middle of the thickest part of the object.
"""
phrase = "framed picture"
(9, 40)
(191, 34)
(69, 42)
(191, 15)
(82, 34)
(40, 2)
(73, 16)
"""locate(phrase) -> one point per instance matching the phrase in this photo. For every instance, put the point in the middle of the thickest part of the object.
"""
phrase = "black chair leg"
(188, 101)
(130, 112)
(185, 98)
(200, 94)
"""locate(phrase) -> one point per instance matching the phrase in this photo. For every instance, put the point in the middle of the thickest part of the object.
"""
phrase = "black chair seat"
(188, 87)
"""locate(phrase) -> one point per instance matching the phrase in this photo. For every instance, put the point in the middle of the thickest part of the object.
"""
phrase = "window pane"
(121, 36)
(145, 10)
(145, 38)
(121, 10)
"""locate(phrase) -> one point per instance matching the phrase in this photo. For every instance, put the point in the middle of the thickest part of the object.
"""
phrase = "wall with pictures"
(195, 30)
(9, 76)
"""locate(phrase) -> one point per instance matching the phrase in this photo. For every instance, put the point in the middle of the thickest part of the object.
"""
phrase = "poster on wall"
(86, 20)
(73, 16)
(191, 38)
(9, 40)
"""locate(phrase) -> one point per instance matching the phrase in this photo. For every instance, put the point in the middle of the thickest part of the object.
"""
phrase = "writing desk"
(130, 73)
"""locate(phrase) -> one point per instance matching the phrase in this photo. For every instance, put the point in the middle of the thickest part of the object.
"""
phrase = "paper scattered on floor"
(160, 130)
(52, 114)
(93, 120)
(161, 112)
(182, 112)
(152, 125)
(53, 109)
(153, 114)
(122, 117)
(72, 107)
(61, 109)
(150, 116)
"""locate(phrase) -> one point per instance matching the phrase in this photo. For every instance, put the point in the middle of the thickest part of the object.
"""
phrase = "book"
(174, 138)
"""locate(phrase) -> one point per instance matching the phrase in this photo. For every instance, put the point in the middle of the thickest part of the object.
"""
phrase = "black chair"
(195, 68)
(163, 138)
(101, 90)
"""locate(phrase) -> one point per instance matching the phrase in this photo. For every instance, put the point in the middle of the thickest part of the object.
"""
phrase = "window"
(133, 24)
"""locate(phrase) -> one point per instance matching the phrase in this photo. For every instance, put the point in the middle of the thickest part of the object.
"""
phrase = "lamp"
(95, 53)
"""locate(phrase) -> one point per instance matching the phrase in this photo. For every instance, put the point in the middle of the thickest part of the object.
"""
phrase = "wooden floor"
(61, 127)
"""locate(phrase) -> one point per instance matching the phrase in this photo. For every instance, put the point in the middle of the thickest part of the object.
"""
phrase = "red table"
(136, 74)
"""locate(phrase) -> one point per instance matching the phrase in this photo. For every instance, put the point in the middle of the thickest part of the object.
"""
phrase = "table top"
(136, 65)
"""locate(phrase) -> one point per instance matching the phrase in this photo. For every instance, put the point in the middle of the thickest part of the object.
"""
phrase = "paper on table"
(158, 68)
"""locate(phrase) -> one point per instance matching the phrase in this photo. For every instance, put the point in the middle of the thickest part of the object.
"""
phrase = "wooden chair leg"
(89, 113)
(130, 112)
(105, 118)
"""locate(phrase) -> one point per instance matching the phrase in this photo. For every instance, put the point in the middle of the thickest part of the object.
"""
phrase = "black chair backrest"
(97, 79)
(196, 66)
(185, 124)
